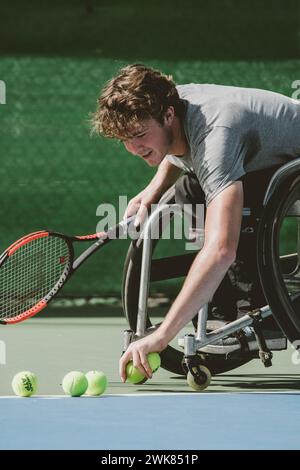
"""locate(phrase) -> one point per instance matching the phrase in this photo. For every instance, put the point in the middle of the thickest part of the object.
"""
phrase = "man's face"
(151, 141)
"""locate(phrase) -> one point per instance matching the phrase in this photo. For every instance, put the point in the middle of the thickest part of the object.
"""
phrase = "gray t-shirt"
(232, 131)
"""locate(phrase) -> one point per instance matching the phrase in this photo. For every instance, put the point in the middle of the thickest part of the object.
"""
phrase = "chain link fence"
(54, 59)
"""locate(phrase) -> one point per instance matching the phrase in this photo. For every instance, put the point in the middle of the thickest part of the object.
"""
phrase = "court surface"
(251, 407)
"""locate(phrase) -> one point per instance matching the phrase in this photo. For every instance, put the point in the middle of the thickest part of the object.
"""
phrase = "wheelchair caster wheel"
(199, 379)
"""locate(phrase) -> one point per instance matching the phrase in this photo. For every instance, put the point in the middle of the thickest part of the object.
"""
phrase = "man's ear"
(169, 115)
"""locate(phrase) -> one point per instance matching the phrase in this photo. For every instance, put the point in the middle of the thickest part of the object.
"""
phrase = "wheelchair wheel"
(201, 380)
(163, 269)
(279, 255)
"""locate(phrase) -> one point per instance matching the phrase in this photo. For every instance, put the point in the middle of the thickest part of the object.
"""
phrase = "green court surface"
(51, 347)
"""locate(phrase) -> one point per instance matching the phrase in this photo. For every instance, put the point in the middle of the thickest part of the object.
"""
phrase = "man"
(222, 135)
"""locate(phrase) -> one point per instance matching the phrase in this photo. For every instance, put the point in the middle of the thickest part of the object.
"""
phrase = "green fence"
(56, 56)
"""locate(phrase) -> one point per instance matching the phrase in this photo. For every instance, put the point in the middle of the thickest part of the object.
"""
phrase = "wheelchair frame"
(198, 376)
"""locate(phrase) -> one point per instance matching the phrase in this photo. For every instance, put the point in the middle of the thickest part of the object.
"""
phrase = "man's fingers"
(141, 363)
(137, 362)
(122, 365)
(140, 215)
(146, 366)
(131, 209)
(128, 214)
(138, 218)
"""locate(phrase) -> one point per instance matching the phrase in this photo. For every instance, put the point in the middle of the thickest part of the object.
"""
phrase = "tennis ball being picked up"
(24, 384)
(134, 376)
(97, 383)
(75, 383)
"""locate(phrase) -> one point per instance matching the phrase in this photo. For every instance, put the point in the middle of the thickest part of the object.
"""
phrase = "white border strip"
(159, 394)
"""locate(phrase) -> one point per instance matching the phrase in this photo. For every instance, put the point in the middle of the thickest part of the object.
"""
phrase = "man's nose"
(132, 146)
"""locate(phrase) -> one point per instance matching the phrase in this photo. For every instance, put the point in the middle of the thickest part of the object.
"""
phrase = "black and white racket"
(36, 267)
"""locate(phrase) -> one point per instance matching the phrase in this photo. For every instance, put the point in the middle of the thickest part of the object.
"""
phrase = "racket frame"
(72, 266)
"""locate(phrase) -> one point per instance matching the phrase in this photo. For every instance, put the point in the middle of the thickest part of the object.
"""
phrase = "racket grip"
(120, 229)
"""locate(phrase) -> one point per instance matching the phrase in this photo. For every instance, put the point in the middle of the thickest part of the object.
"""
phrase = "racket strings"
(30, 273)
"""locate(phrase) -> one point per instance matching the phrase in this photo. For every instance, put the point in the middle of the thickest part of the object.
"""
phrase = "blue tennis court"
(250, 407)
(179, 421)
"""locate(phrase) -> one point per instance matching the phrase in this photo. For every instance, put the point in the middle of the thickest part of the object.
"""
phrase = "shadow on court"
(268, 382)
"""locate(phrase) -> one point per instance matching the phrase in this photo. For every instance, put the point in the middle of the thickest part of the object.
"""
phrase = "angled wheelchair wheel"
(164, 269)
(201, 380)
(279, 254)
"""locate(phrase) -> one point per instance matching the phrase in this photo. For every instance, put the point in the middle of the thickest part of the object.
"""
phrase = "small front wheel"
(199, 378)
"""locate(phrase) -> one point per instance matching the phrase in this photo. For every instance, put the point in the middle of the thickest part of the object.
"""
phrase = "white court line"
(157, 394)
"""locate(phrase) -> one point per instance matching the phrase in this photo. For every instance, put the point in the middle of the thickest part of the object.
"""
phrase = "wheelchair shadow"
(161, 388)
(258, 381)
(225, 383)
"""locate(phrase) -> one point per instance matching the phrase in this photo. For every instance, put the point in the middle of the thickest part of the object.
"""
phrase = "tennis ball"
(154, 361)
(97, 382)
(134, 376)
(74, 383)
(24, 384)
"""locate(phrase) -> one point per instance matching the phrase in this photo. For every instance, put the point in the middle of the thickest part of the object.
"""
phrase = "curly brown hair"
(136, 94)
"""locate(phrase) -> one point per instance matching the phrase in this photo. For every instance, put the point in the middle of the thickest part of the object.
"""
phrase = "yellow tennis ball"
(134, 376)
(154, 361)
(75, 383)
(24, 384)
(97, 383)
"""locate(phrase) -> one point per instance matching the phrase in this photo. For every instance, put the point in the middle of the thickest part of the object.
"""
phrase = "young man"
(230, 139)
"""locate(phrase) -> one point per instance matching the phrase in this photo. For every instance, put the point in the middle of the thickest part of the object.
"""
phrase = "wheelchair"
(200, 354)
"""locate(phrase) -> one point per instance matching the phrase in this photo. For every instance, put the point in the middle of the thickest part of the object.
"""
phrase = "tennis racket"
(35, 268)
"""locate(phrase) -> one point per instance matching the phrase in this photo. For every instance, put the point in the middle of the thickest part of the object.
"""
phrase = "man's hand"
(137, 352)
(140, 204)
(165, 176)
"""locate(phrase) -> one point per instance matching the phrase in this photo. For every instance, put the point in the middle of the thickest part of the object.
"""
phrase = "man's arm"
(166, 175)
(222, 230)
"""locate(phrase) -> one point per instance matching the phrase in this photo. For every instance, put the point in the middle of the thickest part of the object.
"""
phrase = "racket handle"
(120, 229)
